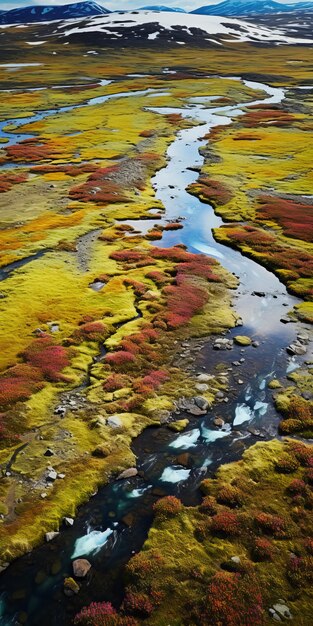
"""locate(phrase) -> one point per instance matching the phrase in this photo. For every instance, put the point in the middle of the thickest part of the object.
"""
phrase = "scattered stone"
(61, 476)
(255, 344)
(219, 422)
(239, 322)
(50, 536)
(49, 452)
(128, 473)
(236, 559)
(179, 425)
(240, 382)
(236, 363)
(296, 348)
(303, 338)
(201, 403)
(204, 378)
(223, 344)
(255, 432)
(202, 387)
(68, 521)
(71, 587)
(287, 320)
(164, 416)
(81, 567)
(219, 395)
(60, 410)
(115, 422)
(3, 566)
(242, 340)
(242, 360)
(282, 611)
(52, 476)
(260, 294)
(43, 495)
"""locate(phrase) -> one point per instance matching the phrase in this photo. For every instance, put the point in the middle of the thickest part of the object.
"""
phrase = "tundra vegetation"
(93, 315)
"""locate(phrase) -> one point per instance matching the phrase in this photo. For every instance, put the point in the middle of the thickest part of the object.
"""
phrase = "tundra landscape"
(156, 307)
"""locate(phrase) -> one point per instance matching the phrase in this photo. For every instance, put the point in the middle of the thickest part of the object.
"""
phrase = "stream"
(114, 523)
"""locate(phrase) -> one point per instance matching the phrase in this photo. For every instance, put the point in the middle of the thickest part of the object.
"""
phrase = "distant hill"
(49, 13)
(252, 7)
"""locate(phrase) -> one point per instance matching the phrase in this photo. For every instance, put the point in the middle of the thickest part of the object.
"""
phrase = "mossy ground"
(249, 505)
(59, 206)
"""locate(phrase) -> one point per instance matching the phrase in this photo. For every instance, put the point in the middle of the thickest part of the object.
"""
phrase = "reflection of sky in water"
(174, 474)
(187, 440)
(91, 543)
(212, 435)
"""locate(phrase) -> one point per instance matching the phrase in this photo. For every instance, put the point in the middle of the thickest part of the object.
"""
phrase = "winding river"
(115, 522)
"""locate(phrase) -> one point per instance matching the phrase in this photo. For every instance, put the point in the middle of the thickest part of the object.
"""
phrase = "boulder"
(202, 387)
(297, 348)
(52, 476)
(242, 340)
(222, 343)
(201, 403)
(70, 587)
(51, 535)
(81, 567)
(219, 422)
(114, 421)
(128, 473)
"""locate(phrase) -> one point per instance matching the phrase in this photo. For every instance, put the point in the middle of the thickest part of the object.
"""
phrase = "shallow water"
(115, 522)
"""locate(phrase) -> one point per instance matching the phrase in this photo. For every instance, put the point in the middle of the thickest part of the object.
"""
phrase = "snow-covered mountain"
(162, 8)
(252, 7)
(161, 28)
(36, 13)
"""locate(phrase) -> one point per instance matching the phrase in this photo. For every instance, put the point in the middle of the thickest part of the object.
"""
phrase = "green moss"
(242, 340)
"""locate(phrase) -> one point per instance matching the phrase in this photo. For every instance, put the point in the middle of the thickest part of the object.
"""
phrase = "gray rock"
(202, 403)
(52, 476)
(3, 566)
(128, 473)
(282, 610)
(204, 378)
(60, 410)
(115, 422)
(219, 395)
(43, 495)
(61, 476)
(50, 536)
(222, 343)
(236, 559)
(296, 348)
(255, 344)
(68, 521)
(201, 387)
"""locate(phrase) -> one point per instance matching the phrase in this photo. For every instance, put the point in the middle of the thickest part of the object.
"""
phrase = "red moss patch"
(8, 180)
(48, 357)
(295, 218)
(213, 190)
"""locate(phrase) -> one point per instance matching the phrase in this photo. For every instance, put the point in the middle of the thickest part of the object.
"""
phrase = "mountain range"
(252, 7)
(46, 13)
(228, 8)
